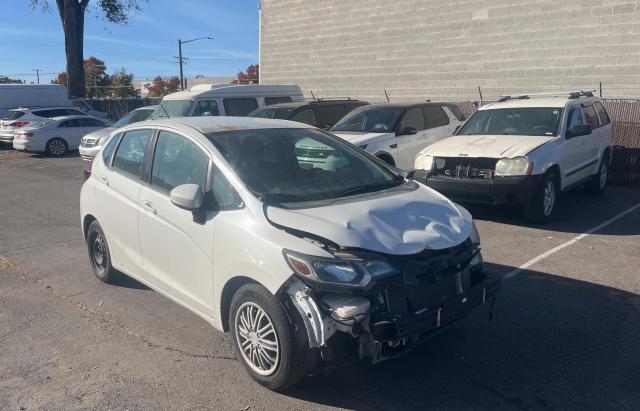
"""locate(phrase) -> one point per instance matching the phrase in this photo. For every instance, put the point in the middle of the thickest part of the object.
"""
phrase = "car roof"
(77, 116)
(41, 108)
(213, 124)
(524, 101)
(231, 90)
(152, 107)
(297, 104)
(405, 105)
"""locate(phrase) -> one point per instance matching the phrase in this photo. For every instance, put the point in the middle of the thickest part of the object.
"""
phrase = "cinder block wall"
(445, 49)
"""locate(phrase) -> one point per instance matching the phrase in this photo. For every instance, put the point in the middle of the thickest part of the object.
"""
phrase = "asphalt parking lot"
(565, 332)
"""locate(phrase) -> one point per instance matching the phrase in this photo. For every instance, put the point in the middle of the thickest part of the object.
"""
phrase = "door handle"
(104, 180)
(147, 205)
(394, 145)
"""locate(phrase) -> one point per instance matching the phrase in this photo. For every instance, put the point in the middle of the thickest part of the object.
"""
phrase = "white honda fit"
(305, 266)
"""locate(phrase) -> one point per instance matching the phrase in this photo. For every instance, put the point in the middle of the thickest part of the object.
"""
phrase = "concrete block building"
(445, 49)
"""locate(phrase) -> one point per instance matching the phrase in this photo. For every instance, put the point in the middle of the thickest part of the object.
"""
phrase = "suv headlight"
(518, 166)
(337, 271)
(423, 162)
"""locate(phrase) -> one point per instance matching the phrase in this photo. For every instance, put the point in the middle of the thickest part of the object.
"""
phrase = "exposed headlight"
(475, 235)
(518, 166)
(423, 162)
(338, 271)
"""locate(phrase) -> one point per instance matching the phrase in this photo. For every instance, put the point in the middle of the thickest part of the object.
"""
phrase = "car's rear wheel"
(263, 339)
(542, 206)
(598, 183)
(57, 147)
(99, 254)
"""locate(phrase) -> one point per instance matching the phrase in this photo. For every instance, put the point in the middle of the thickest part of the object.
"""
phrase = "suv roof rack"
(569, 95)
(317, 100)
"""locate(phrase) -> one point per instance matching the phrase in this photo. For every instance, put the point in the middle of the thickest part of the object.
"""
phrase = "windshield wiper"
(366, 189)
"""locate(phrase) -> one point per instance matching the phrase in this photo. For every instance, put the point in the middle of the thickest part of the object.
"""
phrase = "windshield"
(134, 117)
(296, 165)
(370, 119)
(529, 121)
(281, 113)
(172, 108)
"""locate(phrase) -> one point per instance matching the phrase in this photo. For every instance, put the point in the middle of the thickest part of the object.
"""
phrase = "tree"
(96, 79)
(160, 87)
(122, 85)
(72, 18)
(7, 80)
(61, 79)
(251, 76)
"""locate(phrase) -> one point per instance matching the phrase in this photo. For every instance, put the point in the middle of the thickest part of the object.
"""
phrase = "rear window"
(13, 115)
(328, 115)
(239, 106)
(455, 110)
(602, 113)
(592, 117)
(275, 100)
(435, 117)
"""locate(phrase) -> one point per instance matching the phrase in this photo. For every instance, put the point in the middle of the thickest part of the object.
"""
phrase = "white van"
(225, 100)
(32, 95)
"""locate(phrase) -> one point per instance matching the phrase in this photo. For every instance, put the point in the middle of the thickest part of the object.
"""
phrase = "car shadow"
(553, 343)
(70, 154)
(576, 212)
(124, 281)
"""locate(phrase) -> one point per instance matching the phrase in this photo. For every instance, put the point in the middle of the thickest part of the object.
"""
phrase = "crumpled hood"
(358, 138)
(404, 223)
(97, 134)
(486, 146)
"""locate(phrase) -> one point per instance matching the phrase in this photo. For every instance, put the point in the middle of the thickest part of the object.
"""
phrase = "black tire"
(597, 184)
(57, 147)
(99, 254)
(542, 205)
(288, 366)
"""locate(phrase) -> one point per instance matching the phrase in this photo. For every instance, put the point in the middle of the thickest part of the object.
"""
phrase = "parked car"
(93, 142)
(395, 133)
(32, 95)
(524, 150)
(224, 100)
(17, 119)
(304, 267)
(321, 113)
(58, 136)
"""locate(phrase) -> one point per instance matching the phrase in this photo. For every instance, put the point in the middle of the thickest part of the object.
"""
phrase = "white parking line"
(574, 240)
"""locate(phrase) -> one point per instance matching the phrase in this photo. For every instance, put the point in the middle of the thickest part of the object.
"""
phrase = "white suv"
(304, 266)
(524, 150)
(396, 132)
(17, 119)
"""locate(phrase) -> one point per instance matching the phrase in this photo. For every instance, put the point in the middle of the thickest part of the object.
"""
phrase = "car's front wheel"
(263, 338)
(57, 147)
(541, 207)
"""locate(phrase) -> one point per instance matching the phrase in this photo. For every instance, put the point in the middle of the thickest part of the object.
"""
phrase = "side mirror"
(187, 196)
(407, 131)
(579, 130)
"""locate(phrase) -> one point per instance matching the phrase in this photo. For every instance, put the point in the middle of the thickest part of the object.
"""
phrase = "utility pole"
(181, 59)
(38, 74)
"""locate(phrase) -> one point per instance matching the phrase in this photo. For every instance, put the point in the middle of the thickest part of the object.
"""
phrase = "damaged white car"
(304, 266)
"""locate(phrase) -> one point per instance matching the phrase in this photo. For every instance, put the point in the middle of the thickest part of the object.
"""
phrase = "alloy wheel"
(57, 147)
(257, 339)
(604, 173)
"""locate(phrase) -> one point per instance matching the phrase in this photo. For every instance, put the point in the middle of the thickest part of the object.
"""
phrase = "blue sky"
(32, 39)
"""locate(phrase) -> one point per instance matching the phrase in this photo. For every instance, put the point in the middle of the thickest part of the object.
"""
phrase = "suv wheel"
(598, 183)
(543, 203)
(263, 339)
(57, 147)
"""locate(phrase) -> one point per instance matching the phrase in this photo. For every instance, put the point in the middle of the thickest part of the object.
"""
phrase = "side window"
(69, 123)
(91, 122)
(45, 113)
(176, 161)
(575, 117)
(328, 115)
(224, 195)
(413, 117)
(239, 106)
(305, 116)
(130, 153)
(275, 100)
(206, 108)
(109, 148)
(69, 112)
(591, 116)
(435, 116)
(602, 113)
(456, 111)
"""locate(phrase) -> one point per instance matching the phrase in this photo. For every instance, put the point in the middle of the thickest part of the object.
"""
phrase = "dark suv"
(320, 113)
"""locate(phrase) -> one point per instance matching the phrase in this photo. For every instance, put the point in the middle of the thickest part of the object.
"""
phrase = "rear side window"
(89, 122)
(457, 113)
(69, 123)
(435, 116)
(206, 108)
(602, 113)
(239, 106)
(275, 100)
(13, 115)
(592, 117)
(412, 118)
(176, 161)
(107, 151)
(130, 153)
(305, 116)
(328, 115)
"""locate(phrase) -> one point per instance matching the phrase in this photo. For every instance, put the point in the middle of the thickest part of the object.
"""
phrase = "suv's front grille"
(465, 167)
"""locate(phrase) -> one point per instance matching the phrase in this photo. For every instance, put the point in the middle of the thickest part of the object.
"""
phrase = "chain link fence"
(117, 108)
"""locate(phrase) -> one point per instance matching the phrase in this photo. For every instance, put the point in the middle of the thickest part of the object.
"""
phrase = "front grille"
(89, 143)
(465, 167)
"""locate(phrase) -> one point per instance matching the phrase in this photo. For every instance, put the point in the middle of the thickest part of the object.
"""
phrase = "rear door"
(573, 152)
(409, 145)
(328, 114)
(438, 124)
